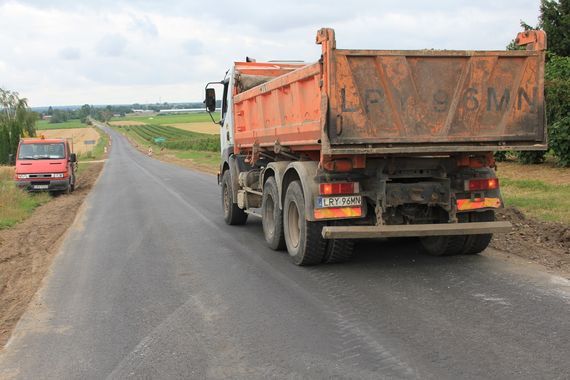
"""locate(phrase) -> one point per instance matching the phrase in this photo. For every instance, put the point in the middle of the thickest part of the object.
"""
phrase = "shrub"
(559, 133)
(531, 157)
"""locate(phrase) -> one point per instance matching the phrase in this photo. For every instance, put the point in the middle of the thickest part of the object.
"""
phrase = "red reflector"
(482, 184)
(338, 188)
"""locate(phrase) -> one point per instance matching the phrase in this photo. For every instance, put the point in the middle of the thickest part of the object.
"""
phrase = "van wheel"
(233, 215)
(475, 244)
(303, 238)
(272, 216)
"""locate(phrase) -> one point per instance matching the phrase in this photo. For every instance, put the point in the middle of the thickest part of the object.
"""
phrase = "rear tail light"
(337, 188)
(482, 184)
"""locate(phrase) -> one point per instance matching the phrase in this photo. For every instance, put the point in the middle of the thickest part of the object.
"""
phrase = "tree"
(16, 120)
(555, 21)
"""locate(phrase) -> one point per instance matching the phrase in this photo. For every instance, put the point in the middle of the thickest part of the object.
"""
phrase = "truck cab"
(45, 165)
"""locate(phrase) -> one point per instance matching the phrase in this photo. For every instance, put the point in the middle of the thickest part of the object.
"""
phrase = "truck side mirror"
(210, 99)
(73, 157)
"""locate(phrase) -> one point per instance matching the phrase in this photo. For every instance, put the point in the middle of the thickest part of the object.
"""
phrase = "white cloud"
(123, 51)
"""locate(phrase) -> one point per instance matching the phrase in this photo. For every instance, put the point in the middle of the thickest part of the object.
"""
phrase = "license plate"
(41, 187)
(346, 201)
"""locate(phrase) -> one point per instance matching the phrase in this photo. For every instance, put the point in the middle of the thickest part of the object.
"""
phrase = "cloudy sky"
(60, 52)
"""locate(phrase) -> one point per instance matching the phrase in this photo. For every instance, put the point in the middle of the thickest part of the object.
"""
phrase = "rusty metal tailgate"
(436, 97)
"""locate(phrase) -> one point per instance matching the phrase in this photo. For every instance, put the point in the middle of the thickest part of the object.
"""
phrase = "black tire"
(475, 244)
(339, 251)
(303, 238)
(233, 215)
(272, 216)
(443, 245)
(72, 184)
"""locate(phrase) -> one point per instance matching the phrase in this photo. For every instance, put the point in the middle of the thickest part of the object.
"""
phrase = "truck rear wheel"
(338, 250)
(303, 238)
(272, 216)
(475, 244)
(233, 215)
(443, 245)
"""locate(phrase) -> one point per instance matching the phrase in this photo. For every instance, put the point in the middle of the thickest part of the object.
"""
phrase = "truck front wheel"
(303, 238)
(233, 215)
(272, 216)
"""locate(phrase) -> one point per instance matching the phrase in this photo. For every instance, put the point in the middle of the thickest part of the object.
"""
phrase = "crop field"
(164, 119)
(43, 125)
(78, 135)
(175, 138)
(201, 127)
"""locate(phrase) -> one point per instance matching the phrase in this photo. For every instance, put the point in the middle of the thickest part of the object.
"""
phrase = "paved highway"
(151, 283)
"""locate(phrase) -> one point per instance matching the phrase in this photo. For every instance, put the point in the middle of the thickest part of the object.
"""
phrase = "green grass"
(211, 159)
(43, 125)
(539, 199)
(15, 204)
(169, 119)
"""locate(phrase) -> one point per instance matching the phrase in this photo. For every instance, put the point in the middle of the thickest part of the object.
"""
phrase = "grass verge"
(550, 202)
(15, 204)
(540, 191)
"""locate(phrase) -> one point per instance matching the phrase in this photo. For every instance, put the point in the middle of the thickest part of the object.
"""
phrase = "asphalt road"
(151, 283)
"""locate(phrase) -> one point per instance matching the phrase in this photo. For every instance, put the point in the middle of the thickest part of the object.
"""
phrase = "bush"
(559, 133)
(501, 155)
(531, 157)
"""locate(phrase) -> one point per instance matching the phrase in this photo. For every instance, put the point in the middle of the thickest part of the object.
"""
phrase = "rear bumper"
(411, 230)
(53, 185)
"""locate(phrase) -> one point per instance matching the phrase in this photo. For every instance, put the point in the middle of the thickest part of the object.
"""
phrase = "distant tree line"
(16, 121)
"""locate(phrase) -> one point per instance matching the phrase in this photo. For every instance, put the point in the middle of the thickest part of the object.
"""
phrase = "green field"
(43, 125)
(175, 138)
(168, 119)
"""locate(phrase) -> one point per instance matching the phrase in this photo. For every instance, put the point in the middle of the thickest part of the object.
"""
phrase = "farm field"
(202, 127)
(78, 135)
(43, 125)
(173, 138)
(198, 117)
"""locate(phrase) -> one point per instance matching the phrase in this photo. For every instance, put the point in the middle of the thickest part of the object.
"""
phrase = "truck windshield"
(41, 151)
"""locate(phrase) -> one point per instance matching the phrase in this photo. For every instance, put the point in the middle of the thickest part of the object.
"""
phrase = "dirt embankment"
(27, 250)
(544, 243)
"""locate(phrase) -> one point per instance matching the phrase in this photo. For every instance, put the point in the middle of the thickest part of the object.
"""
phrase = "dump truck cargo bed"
(397, 101)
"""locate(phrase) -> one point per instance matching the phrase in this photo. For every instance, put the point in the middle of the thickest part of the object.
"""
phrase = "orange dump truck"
(377, 143)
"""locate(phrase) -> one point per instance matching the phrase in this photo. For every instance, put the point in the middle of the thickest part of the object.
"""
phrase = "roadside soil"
(540, 242)
(27, 249)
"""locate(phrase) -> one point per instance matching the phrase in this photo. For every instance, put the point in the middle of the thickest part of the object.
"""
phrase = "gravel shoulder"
(27, 249)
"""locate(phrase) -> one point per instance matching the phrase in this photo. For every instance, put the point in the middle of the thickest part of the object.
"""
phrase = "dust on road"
(27, 250)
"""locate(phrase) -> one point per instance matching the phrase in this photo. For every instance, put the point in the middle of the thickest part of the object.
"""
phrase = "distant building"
(143, 111)
(181, 110)
(46, 117)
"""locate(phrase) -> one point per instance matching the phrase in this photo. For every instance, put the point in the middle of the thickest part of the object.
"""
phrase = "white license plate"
(346, 201)
(41, 187)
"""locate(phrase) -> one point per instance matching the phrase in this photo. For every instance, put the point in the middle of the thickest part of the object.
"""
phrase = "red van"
(45, 165)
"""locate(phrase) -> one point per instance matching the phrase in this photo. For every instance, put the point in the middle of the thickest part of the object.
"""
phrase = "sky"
(67, 52)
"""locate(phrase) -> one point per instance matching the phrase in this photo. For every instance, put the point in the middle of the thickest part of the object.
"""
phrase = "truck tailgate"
(426, 97)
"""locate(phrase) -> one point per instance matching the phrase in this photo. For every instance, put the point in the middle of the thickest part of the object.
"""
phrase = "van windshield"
(41, 151)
